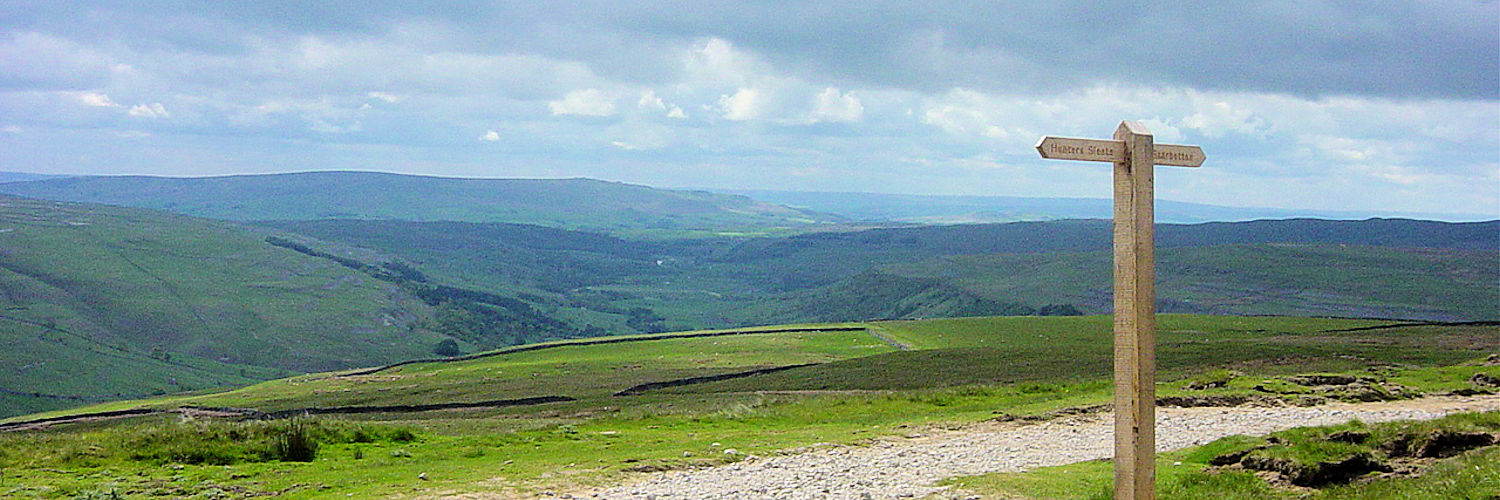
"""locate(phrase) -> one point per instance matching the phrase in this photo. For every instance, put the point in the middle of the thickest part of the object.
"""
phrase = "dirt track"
(909, 467)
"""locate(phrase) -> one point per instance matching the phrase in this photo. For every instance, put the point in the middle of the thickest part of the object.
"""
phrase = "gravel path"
(907, 468)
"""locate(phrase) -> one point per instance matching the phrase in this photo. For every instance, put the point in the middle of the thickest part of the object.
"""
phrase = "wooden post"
(1135, 317)
(1135, 154)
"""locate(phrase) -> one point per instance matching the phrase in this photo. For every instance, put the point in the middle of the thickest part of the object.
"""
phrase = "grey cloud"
(1388, 49)
(261, 86)
(1430, 49)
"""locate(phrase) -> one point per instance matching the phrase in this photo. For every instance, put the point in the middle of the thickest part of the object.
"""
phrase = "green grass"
(873, 391)
(947, 353)
(1031, 349)
(581, 371)
(1187, 473)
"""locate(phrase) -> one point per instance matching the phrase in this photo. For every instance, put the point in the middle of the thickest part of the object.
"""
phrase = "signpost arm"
(1135, 316)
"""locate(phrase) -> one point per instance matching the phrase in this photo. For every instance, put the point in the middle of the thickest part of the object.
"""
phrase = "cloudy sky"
(1299, 104)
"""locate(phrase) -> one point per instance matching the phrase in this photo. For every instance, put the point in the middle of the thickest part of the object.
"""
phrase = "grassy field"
(951, 372)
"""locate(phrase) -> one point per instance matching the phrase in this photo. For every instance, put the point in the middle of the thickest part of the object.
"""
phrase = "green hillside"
(1374, 268)
(101, 303)
(598, 412)
(181, 303)
(570, 203)
(1283, 279)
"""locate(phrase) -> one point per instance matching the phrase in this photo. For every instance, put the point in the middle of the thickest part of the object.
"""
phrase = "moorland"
(242, 335)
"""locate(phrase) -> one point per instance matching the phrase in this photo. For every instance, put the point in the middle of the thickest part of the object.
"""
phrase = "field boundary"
(1415, 323)
(250, 413)
(597, 341)
(651, 386)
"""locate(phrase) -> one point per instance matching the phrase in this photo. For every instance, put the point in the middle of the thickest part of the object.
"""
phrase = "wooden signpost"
(1135, 155)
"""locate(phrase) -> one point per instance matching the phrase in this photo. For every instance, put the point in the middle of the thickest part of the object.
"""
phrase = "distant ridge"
(569, 203)
(954, 209)
(25, 176)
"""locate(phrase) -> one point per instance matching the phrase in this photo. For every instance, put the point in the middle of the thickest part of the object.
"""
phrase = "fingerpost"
(1135, 155)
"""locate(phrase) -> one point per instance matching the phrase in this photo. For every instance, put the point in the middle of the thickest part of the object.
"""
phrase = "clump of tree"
(645, 320)
(1058, 310)
(395, 272)
(474, 316)
(447, 348)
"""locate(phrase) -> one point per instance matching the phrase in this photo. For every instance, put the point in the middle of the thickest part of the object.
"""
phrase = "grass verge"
(1204, 472)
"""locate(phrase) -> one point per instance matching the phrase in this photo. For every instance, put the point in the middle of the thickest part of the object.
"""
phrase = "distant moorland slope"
(103, 302)
(570, 203)
(1377, 268)
(953, 209)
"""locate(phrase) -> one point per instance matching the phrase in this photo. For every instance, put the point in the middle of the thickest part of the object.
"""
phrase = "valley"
(182, 303)
(517, 352)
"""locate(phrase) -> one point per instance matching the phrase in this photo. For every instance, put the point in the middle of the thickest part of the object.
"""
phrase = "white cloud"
(963, 120)
(650, 100)
(1359, 152)
(587, 102)
(831, 106)
(745, 104)
(324, 115)
(1162, 132)
(11, 129)
(95, 99)
(289, 86)
(152, 110)
(1217, 118)
(714, 62)
(320, 125)
(385, 96)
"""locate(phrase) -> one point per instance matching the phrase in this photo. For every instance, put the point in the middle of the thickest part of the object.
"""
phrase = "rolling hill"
(1261, 278)
(950, 209)
(1378, 267)
(92, 292)
(568, 203)
(103, 302)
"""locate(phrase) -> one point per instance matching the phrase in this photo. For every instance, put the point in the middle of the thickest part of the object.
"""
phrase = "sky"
(1318, 105)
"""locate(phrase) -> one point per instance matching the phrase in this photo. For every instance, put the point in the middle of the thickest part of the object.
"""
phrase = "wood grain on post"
(1134, 153)
(1135, 316)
